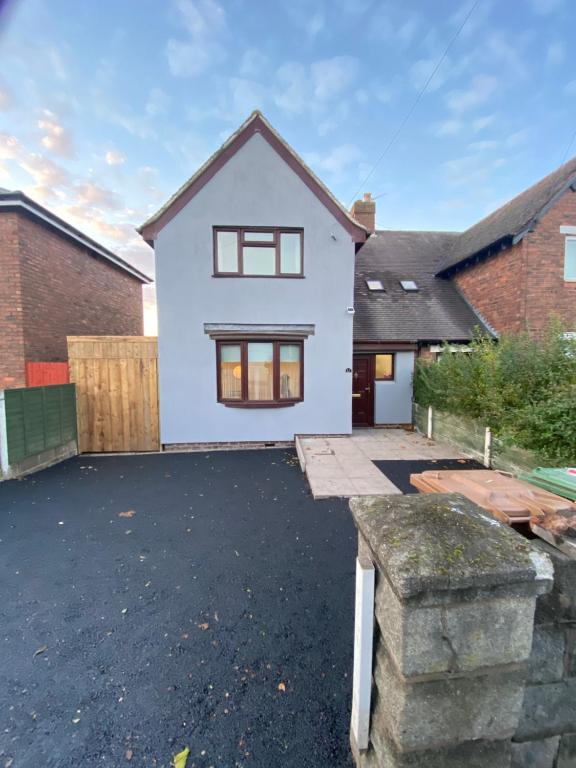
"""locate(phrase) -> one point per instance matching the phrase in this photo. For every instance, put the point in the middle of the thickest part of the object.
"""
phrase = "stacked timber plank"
(512, 501)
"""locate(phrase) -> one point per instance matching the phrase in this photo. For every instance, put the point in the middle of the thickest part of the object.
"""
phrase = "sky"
(108, 106)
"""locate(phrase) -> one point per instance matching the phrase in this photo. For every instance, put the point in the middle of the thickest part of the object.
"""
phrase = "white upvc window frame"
(568, 238)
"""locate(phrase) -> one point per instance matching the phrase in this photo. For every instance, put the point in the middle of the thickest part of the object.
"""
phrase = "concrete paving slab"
(343, 466)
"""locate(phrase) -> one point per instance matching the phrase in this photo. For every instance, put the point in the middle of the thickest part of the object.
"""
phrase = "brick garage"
(57, 283)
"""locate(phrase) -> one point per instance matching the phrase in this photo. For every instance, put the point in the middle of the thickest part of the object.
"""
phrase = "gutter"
(18, 202)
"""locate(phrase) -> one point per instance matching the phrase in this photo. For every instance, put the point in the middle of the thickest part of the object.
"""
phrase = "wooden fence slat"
(117, 392)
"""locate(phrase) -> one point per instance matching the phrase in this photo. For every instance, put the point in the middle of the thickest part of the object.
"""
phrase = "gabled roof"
(256, 123)
(436, 312)
(18, 201)
(512, 221)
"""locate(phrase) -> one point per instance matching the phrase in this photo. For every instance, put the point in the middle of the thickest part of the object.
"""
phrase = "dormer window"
(258, 252)
(570, 259)
(374, 285)
(409, 285)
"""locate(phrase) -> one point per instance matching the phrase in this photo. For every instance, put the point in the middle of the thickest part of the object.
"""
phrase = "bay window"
(260, 373)
(258, 252)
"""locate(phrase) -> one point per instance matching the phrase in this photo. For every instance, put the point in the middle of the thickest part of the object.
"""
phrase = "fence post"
(488, 447)
(363, 635)
(4, 466)
(430, 422)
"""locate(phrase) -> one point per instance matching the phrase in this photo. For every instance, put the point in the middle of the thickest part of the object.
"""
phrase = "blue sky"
(107, 107)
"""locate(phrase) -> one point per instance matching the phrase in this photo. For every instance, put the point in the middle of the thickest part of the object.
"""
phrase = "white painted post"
(363, 636)
(430, 423)
(4, 466)
(488, 447)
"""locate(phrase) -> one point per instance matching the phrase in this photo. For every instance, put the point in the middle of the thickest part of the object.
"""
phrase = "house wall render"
(254, 188)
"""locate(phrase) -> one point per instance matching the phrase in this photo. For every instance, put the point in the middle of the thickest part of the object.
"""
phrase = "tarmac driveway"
(155, 602)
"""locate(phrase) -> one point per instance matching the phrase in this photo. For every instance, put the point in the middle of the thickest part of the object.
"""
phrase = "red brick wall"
(547, 291)
(65, 291)
(12, 372)
(523, 286)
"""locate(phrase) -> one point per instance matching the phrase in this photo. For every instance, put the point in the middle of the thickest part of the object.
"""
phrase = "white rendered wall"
(255, 188)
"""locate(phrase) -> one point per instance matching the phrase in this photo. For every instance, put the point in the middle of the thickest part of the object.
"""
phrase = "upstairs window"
(258, 252)
(260, 373)
(570, 259)
(409, 285)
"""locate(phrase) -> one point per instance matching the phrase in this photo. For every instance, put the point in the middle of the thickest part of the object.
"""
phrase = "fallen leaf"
(204, 626)
(40, 650)
(181, 757)
(128, 513)
(281, 687)
(129, 754)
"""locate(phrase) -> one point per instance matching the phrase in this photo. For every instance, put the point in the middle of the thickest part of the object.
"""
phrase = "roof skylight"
(374, 285)
(409, 285)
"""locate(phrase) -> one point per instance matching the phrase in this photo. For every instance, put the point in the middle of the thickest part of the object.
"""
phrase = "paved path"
(171, 600)
(343, 466)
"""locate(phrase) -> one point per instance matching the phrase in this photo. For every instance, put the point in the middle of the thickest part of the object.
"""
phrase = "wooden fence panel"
(39, 418)
(41, 374)
(116, 379)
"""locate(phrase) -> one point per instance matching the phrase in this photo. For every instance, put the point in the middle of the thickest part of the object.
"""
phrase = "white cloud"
(544, 7)
(482, 146)
(252, 63)
(482, 122)
(332, 76)
(205, 23)
(43, 170)
(113, 157)
(555, 54)
(421, 70)
(157, 103)
(6, 97)
(518, 138)
(448, 128)
(570, 87)
(91, 194)
(293, 93)
(55, 137)
(315, 24)
(479, 92)
(336, 160)
(245, 96)
(471, 169)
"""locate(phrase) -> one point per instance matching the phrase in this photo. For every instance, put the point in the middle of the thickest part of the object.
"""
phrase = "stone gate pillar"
(454, 607)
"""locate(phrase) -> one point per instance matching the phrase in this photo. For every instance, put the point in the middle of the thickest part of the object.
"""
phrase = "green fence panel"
(39, 418)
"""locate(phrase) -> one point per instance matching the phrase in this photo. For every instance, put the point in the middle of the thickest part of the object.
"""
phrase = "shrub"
(524, 389)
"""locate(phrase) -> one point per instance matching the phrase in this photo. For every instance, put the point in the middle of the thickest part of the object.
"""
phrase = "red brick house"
(512, 271)
(517, 267)
(57, 282)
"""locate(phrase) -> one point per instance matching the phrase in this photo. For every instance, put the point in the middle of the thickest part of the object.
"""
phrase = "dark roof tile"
(436, 312)
(512, 219)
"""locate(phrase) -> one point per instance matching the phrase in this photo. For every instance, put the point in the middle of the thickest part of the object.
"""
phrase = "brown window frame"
(244, 402)
(242, 243)
(392, 376)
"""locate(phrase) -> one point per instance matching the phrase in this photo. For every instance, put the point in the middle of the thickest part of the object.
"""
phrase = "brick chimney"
(364, 211)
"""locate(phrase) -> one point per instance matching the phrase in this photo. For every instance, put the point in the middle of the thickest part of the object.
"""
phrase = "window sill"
(287, 404)
(259, 277)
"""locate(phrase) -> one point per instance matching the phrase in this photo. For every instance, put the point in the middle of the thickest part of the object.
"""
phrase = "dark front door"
(362, 394)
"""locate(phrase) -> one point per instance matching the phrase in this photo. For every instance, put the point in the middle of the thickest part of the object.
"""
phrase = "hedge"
(523, 388)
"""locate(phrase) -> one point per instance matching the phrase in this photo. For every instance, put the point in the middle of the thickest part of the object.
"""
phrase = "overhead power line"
(568, 148)
(416, 101)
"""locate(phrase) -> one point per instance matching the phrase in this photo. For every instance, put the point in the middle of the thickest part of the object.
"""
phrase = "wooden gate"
(116, 381)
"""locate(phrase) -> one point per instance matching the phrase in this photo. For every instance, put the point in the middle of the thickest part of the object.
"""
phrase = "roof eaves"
(19, 200)
(257, 121)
